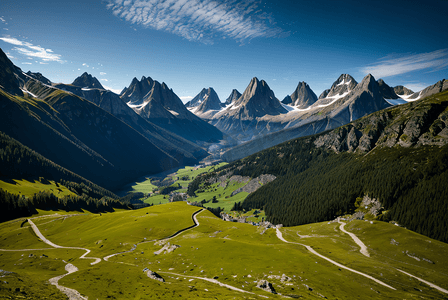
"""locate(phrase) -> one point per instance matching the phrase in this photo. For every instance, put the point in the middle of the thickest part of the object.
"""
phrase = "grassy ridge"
(29, 188)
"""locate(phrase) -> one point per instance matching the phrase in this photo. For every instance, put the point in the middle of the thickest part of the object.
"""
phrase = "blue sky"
(197, 44)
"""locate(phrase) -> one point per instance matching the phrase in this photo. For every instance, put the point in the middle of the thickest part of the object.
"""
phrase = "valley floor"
(201, 256)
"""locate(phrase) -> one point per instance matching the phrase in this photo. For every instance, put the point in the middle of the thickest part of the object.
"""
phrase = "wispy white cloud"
(102, 73)
(104, 79)
(2, 19)
(27, 63)
(199, 20)
(390, 66)
(30, 50)
(85, 65)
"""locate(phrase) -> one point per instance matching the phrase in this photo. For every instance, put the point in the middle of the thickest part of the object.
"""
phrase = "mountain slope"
(398, 155)
(183, 150)
(81, 137)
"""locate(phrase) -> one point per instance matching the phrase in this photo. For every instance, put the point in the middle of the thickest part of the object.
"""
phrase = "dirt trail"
(48, 242)
(71, 293)
(363, 249)
(196, 224)
(215, 282)
(280, 236)
(426, 282)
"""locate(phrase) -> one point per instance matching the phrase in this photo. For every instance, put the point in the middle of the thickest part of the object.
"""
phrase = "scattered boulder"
(266, 286)
(153, 275)
(167, 248)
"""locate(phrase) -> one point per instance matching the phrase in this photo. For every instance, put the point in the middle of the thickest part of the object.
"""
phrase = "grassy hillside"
(238, 255)
(29, 188)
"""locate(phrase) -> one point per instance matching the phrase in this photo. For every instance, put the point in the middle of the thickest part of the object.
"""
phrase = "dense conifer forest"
(317, 185)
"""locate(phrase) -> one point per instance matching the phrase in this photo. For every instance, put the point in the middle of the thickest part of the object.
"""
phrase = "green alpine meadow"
(223, 149)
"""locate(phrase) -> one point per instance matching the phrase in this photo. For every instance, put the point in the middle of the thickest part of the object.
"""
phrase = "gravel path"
(426, 282)
(363, 249)
(215, 282)
(71, 293)
(280, 236)
(48, 242)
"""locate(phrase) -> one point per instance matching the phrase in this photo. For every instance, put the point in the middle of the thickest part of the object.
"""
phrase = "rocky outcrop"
(266, 286)
(255, 184)
(153, 275)
(418, 123)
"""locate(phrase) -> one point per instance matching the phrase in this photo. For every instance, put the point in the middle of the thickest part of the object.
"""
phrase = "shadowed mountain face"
(107, 147)
(8, 80)
(303, 96)
(181, 149)
(234, 95)
(386, 91)
(158, 104)
(87, 81)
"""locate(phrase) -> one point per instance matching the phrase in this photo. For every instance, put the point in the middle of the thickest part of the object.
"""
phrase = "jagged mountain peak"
(402, 90)
(234, 95)
(386, 91)
(343, 85)
(211, 101)
(8, 81)
(200, 98)
(86, 80)
(287, 100)
(303, 96)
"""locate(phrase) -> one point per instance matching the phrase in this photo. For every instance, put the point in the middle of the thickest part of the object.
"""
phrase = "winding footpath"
(196, 224)
(215, 282)
(280, 236)
(71, 293)
(363, 249)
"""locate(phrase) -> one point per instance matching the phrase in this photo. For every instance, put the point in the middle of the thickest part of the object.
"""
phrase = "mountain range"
(148, 129)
